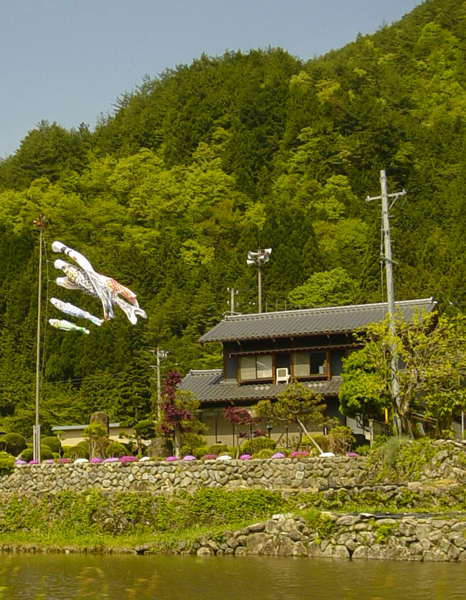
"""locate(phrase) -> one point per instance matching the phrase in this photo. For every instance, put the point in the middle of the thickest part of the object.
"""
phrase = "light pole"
(40, 224)
(257, 258)
(160, 355)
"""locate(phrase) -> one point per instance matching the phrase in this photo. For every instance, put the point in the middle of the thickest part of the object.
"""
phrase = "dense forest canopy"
(226, 155)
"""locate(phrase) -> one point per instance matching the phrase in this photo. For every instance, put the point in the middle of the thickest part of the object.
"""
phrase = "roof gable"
(314, 321)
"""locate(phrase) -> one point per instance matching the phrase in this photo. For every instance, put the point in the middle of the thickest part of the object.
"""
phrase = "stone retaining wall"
(447, 467)
(160, 477)
(335, 536)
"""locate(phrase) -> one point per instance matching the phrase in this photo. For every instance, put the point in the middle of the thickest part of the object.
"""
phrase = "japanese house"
(263, 352)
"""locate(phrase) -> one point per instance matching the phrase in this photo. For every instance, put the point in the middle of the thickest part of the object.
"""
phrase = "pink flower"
(299, 454)
(171, 459)
(245, 457)
(128, 459)
(278, 455)
(95, 460)
(189, 457)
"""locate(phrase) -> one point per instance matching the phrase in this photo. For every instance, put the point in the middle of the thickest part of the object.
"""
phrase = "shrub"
(201, 451)
(322, 440)
(7, 463)
(52, 442)
(341, 439)
(191, 442)
(217, 449)
(115, 449)
(264, 453)
(75, 452)
(257, 444)
(13, 443)
(28, 453)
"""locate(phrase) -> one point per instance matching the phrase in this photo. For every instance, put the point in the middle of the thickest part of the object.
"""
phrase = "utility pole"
(233, 293)
(257, 258)
(386, 258)
(40, 224)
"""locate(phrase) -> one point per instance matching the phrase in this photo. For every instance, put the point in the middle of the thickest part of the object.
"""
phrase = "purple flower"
(245, 457)
(20, 462)
(189, 457)
(352, 454)
(278, 455)
(49, 461)
(95, 460)
(171, 458)
(33, 462)
(112, 459)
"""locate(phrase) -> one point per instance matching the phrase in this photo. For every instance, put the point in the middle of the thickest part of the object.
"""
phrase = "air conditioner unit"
(282, 375)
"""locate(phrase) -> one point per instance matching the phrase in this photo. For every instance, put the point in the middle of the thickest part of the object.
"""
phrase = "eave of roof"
(309, 322)
(210, 388)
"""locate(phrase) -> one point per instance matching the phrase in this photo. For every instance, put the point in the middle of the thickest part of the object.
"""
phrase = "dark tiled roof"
(209, 387)
(307, 322)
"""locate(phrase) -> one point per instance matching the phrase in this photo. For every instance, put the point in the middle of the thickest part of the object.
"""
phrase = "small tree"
(97, 439)
(296, 405)
(238, 415)
(179, 411)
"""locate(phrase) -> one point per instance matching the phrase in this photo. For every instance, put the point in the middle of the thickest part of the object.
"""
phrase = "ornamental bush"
(52, 442)
(264, 453)
(257, 444)
(115, 449)
(13, 443)
(217, 449)
(7, 463)
(45, 453)
(75, 452)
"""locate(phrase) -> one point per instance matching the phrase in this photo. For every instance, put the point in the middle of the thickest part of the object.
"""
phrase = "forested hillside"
(210, 160)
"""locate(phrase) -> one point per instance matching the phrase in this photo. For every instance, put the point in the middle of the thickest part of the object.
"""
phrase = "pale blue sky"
(69, 60)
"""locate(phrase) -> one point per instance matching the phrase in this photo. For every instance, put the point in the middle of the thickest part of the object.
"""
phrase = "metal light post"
(40, 224)
(160, 355)
(257, 258)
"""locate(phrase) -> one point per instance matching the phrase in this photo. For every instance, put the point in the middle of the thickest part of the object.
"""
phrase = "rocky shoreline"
(325, 535)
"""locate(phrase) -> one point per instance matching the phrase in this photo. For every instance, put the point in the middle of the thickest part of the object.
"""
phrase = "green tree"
(431, 353)
(296, 405)
(327, 288)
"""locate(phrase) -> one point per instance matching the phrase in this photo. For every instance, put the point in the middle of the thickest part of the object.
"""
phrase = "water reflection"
(62, 577)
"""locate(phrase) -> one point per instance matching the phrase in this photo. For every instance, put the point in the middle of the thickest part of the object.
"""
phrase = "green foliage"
(384, 531)
(327, 288)
(7, 463)
(52, 442)
(88, 512)
(257, 444)
(341, 439)
(217, 449)
(116, 449)
(264, 453)
(297, 405)
(45, 453)
(170, 191)
(13, 443)
(75, 452)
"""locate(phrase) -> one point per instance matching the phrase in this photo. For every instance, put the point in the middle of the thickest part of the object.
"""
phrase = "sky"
(68, 61)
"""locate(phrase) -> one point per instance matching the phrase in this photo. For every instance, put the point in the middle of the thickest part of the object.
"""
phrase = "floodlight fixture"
(258, 258)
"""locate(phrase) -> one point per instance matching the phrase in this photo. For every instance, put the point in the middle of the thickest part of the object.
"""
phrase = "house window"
(255, 367)
(310, 364)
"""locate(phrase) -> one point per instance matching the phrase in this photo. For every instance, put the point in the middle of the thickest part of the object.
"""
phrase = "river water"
(63, 577)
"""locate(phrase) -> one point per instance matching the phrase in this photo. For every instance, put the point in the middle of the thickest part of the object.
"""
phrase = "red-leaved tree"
(179, 411)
